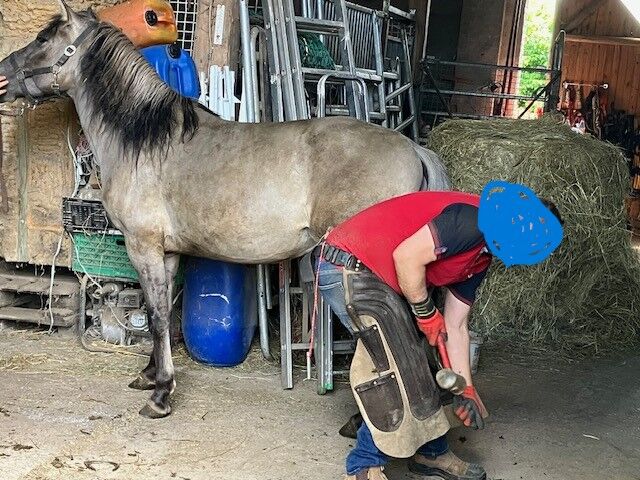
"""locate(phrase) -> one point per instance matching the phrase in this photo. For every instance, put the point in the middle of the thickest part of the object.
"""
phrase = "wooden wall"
(617, 65)
(596, 17)
(37, 166)
(607, 54)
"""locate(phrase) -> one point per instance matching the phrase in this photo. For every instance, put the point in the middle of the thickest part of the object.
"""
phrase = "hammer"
(446, 378)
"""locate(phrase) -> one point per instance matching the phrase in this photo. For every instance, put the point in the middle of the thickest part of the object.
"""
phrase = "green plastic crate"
(105, 256)
(102, 256)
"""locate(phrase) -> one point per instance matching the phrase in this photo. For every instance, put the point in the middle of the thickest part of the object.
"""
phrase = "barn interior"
(540, 92)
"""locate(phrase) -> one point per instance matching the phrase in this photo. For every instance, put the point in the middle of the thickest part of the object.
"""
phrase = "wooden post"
(217, 35)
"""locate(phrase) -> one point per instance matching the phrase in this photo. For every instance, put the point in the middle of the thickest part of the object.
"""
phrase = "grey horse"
(177, 179)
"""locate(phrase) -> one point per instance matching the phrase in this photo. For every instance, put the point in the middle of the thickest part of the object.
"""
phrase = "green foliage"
(538, 34)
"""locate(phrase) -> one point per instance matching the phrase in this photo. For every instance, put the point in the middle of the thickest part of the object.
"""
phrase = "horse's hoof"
(142, 383)
(151, 410)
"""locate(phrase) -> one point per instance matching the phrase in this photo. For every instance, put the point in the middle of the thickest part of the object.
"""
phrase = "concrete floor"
(67, 414)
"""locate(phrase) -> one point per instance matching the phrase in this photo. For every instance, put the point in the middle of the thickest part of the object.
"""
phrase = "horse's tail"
(434, 172)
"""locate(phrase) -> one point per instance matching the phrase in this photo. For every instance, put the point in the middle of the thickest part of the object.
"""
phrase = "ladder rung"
(333, 111)
(315, 25)
(319, 72)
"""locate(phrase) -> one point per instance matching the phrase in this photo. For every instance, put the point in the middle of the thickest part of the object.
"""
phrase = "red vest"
(373, 234)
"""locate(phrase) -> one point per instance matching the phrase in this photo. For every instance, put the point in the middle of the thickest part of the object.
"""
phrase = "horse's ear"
(65, 10)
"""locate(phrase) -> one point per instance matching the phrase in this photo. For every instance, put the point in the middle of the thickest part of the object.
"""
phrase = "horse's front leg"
(146, 379)
(149, 262)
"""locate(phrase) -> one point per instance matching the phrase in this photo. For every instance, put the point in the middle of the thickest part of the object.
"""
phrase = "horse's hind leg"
(149, 262)
(146, 379)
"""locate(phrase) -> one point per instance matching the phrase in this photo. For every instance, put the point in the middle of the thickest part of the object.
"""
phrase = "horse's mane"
(132, 100)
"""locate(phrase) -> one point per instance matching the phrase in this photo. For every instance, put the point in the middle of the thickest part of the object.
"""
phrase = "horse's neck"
(104, 145)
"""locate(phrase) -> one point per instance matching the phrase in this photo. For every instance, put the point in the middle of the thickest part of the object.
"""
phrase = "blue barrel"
(175, 67)
(219, 311)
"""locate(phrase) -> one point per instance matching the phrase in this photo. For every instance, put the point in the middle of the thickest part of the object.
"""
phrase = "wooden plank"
(611, 19)
(23, 282)
(607, 69)
(601, 53)
(604, 40)
(61, 317)
(636, 88)
(581, 15)
(615, 68)
(208, 51)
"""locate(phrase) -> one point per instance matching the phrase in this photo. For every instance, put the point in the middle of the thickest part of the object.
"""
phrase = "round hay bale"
(586, 296)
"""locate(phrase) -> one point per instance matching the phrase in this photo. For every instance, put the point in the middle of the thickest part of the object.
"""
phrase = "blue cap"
(516, 225)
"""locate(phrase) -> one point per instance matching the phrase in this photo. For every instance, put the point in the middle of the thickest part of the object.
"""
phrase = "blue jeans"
(365, 454)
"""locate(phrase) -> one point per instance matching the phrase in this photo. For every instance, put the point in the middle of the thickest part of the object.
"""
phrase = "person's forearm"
(456, 319)
(458, 349)
(412, 281)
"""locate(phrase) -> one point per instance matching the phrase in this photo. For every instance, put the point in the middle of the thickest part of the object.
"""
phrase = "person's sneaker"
(447, 466)
(373, 473)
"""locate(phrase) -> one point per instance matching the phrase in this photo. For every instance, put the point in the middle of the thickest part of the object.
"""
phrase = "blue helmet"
(518, 228)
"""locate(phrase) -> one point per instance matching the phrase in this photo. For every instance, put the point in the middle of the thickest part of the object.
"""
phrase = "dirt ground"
(67, 414)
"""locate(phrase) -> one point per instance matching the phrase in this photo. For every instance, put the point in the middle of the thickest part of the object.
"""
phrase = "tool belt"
(341, 258)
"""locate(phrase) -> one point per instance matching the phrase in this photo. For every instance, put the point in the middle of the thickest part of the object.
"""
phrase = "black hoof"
(154, 411)
(142, 383)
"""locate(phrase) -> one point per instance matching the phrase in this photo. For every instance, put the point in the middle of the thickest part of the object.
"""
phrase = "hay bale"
(586, 296)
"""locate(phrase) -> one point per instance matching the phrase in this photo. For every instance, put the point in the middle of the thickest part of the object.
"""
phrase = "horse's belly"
(236, 243)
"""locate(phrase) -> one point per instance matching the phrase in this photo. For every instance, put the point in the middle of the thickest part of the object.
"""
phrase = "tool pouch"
(390, 375)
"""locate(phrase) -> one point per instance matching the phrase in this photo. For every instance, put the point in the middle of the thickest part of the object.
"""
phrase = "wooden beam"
(602, 40)
(576, 20)
(217, 40)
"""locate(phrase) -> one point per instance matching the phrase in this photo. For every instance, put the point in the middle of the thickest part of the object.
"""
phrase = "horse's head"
(47, 66)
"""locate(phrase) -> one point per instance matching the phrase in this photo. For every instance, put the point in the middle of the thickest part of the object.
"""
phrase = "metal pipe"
(379, 65)
(399, 91)
(275, 78)
(555, 78)
(255, 34)
(362, 86)
(267, 286)
(245, 38)
(505, 96)
(286, 360)
(435, 86)
(437, 113)
(435, 61)
(409, 73)
(426, 30)
(263, 320)
(405, 124)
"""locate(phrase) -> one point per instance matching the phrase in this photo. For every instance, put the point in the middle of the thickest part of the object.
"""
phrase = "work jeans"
(365, 454)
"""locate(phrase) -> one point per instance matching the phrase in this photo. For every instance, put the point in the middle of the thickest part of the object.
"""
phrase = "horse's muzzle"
(13, 89)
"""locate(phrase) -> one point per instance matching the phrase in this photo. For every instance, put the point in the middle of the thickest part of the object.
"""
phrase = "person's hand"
(3, 83)
(432, 327)
(469, 408)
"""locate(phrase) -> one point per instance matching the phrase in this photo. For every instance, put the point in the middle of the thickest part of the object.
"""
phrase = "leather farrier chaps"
(390, 375)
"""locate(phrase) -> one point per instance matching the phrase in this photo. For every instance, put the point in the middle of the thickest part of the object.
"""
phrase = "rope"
(314, 53)
(314, 314)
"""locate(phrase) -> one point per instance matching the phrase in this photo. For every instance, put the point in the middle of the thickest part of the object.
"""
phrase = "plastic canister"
(175, 67)
(219, 310)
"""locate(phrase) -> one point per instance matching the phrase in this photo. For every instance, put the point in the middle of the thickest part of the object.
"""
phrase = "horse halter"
(24, 74)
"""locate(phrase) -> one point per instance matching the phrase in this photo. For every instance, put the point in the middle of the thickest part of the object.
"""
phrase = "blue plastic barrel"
(219, 311)
(175, 67)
